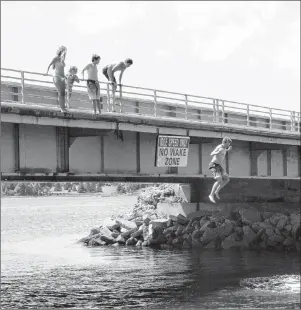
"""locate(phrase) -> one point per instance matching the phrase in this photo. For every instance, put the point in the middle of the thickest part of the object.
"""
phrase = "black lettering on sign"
(163, 151)
(163, 142)
(172, 161)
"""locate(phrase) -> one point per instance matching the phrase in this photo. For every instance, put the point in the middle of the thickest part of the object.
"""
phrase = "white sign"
(172, 151)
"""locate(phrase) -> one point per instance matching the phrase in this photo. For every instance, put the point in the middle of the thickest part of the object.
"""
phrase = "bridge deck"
(33, 91)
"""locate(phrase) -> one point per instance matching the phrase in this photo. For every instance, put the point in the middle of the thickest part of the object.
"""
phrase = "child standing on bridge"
(71, 77)
(92, 82)
(217, 169)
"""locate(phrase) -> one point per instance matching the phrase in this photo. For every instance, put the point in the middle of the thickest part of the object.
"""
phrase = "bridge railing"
(37, 90)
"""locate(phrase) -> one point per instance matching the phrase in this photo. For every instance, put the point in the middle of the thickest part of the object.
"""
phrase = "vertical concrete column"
(284, 157)
(102, 154)
(62, 149)
(253, 160)
(200, 158)
(16, 129)
(269, 162)
(137, 152)
(299, 160)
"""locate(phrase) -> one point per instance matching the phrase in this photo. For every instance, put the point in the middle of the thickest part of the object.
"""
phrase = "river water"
(43, 266)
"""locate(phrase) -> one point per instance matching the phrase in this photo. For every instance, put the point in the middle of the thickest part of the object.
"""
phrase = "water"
(43, 266)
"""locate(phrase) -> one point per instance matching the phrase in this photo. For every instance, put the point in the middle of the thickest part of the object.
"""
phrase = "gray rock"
(249, 234)
(256, 227)
(288, 228)
(110, 223)
(120, 240)
(296, 232)
(169, 223)
(231, 242)
(249, 216)
(159, 222)
(137, 233)
(263, 245)
(266, 215)
(276, 238)
(294, 219)
(186, 245)
(107, 239)
(269, 232)
(282, 222)
(209, 235)
(131, 241)
(94, 231)
(128, 233)
(289, 242)
(204, 226)
(224, 230)
(139, 243)
(126, 224)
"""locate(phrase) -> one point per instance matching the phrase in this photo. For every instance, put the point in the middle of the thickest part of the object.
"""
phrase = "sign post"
(172, 151)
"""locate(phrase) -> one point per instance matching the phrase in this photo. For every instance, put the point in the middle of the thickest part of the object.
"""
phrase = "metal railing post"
(223, 111)
(293, 121)
(248, 115)
(22, 86)
(120, 99)
(155, 103)
(108, 97)
(186, 107)
(270, 118)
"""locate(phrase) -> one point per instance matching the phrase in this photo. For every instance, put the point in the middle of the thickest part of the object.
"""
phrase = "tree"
(99, 188)
(58, 187)
(20, 189)
(81, 188)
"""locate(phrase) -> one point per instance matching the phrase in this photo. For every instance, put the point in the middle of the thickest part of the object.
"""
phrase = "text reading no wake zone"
(172, 151)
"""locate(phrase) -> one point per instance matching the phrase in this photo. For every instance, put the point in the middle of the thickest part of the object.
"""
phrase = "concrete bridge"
(39, 143)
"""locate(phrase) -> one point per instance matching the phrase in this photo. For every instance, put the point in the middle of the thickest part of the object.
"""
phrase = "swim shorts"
(217, 170)
(93, 90)
(105, 73)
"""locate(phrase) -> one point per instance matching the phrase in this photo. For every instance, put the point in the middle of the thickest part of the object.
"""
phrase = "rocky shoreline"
(240, 228)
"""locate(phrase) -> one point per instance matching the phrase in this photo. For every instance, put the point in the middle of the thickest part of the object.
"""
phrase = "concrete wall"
(262, 164)
(250, 190)
(37, 148)
(7, 148)
(293, 168)
(276, 163)
(239, 159)
(85, 155)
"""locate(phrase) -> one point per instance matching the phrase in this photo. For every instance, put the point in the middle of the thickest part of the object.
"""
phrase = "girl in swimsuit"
(58, 64)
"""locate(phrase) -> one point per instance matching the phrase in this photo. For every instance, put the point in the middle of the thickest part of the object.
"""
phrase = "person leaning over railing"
(71, 77)
(58, 65)
(92, 82)
(109, 70)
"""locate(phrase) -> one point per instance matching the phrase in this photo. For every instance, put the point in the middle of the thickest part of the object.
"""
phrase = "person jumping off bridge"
(217, 169)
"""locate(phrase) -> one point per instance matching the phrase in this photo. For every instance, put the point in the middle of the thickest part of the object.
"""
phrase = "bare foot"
(212, 199)
(217, 195)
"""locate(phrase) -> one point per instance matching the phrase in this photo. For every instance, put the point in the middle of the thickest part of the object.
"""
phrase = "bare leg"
(94, 106)
(214, 187)
(223, 184)
(99, 106)
(60, 87)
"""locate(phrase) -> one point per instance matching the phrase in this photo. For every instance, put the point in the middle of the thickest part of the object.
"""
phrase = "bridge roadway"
(39, 143)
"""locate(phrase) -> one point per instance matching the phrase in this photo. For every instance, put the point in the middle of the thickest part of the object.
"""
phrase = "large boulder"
(159, 222)
(232, 242)
(288, 242)
(296, 231)
(128, 233)
(120, 240)
(282, 222)
(249, 216)
(209, 235)
(110, 223)
(294, 219)
(126, 224)
(249, 234)
(224, 230)
(131, 241)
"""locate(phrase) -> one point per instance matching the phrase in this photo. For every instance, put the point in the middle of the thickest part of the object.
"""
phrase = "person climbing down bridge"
(71, 77)
(216, 167)
(109, 71)
(92, 82)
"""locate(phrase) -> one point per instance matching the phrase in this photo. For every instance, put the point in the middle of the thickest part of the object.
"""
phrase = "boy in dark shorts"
(216, 167)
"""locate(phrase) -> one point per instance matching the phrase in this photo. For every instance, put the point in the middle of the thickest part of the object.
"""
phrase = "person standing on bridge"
(93, 83)
(217, 169)
(109, 70)
(58, 64)
(71, 77)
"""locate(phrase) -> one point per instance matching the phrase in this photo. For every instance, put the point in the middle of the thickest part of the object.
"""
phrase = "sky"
(244, 51)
